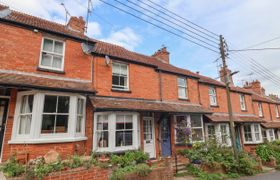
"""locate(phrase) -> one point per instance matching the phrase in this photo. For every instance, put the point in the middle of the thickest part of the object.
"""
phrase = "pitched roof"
(273, 124)
(105, 103)
(263, 98)
(224, 117)
(33, 82)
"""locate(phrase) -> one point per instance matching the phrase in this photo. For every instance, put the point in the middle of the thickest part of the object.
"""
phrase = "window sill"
(214, 106)
(252, 143)
(50, 70)
(184, 99)
(43, 141)
(245, 110)
(115, 150)
(121, 90)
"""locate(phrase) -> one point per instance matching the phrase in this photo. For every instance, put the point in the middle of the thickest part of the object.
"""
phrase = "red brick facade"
(150, 79)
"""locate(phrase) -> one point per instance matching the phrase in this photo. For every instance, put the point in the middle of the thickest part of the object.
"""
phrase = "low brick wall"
(161, 173)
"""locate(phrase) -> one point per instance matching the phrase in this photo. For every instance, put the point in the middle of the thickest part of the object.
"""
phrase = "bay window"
(52, 54)
(43, 117)
(252, 133)
(219, 132)
(116, 131)
(188, 128)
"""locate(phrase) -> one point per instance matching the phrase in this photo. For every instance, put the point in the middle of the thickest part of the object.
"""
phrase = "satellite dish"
(86, 48)
(107, 60)
(5, 12)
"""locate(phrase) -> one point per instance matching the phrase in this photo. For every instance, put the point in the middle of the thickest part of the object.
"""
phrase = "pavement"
(274, 175)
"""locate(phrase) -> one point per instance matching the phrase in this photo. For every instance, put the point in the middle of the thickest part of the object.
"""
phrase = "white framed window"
(80, 115)
(270, 135)
(212, 96)
(276, 111)
(194, 123)
(182, 88)
(48, 117)
(219, 132)
(120, 76)
(122, 133)
(252, 133)
(52, 54)
(242, 102)
(260, 110)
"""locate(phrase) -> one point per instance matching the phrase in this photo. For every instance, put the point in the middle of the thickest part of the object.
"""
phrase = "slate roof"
(105, 103)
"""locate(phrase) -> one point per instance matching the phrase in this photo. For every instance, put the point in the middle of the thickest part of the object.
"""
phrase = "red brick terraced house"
(62, 90)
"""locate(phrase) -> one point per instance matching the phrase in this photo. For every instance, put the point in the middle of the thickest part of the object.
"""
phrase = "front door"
(165, 137)
(149, 143)
(3, 115)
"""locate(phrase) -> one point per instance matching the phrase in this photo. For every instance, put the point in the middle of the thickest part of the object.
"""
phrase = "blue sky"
(242, 22)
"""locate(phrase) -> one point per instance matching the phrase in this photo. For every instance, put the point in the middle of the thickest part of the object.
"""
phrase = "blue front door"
(165, 137)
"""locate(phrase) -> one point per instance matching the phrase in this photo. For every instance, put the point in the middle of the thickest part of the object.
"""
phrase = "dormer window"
(52, 55)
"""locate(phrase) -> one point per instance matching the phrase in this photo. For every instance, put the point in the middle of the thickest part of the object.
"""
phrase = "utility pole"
(226, 77)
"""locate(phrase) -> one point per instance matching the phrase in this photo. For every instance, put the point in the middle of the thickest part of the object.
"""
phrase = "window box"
(43, 117)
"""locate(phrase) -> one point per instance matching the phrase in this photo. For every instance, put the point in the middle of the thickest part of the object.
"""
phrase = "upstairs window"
(120, 76)
(213, 96)
(52, 55)
(242, 102)
(276, 111)
(182, 88)
(260, 110)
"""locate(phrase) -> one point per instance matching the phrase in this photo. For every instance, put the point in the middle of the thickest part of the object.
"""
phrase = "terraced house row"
(62, 90)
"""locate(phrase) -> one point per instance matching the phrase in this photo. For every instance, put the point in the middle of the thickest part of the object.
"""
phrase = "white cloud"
(125, 37)
(94, 29)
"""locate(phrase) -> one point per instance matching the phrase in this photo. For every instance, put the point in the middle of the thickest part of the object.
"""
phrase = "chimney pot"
(162, 55)
(77, 24)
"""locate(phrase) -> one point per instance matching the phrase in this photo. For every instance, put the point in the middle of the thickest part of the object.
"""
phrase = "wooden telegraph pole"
(226, 77)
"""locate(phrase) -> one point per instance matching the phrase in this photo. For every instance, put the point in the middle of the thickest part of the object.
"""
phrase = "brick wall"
(265, 108)
(22, 53)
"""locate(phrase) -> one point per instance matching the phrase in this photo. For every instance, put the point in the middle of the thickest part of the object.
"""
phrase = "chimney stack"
(227, 77)
(77, 24)
(255, 86)
(162, 55)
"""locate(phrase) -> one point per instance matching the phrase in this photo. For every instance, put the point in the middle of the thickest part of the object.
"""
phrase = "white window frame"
(242, 102)
(212, 95)
(35, 136)
(183, 86)
(188, 117)
(253, 134)
(268, 135)
(112, 132)
(218, 133)
(126, 87)
(52, 53)
(260, 109)
(276, 111)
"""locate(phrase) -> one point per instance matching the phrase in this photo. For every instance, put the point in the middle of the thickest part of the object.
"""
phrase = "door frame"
(153, 134)
(7, 99)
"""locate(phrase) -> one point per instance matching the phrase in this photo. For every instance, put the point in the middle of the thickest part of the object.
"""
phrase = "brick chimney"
(255, 86)
(77, 24)
(162, 55)
(274, 97)
(227, 77)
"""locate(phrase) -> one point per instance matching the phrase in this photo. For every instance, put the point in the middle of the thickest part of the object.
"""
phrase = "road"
(266, 176)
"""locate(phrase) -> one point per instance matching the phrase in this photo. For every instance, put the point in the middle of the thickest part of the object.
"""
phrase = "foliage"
(268, 150)
(140, 169)
(216, 156)
(75, 162)
(42, 169)
(12, 168)
(129, 158)
(197, 172)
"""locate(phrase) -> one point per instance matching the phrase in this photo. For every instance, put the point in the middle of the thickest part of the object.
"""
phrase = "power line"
(256, 49)
(177, 19)
(158, 26)
(158, 5)
(263, 42)
(191, 36)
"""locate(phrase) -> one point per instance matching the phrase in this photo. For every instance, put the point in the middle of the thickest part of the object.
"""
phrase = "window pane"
(63, 104)
(80, 107)
(182, 92)
(196, 121)
(128, 138)
(102, 139)
(124, 70)
(122, 81)
(181, 82)
(79, 124)
(119, 138)
(57, 62)
(102, 122)
(27, 104)
(50, 104)
(128, 122)
(61, 124)
(211, 131)
(116, 80)
(48, 124)
(58, 47)
(46, 60)
(197, 135)
(25, 124)
(116, 68)
(48, 45)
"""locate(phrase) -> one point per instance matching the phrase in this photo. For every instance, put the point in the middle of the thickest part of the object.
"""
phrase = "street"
(266, 176)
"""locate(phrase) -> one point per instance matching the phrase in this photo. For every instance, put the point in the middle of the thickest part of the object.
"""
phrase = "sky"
(243, 23)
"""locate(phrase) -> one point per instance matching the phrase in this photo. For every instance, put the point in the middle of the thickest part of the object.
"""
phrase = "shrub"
(12, 168)
(129, 158)
(120, 173)
(75, 162)
(142, 169)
